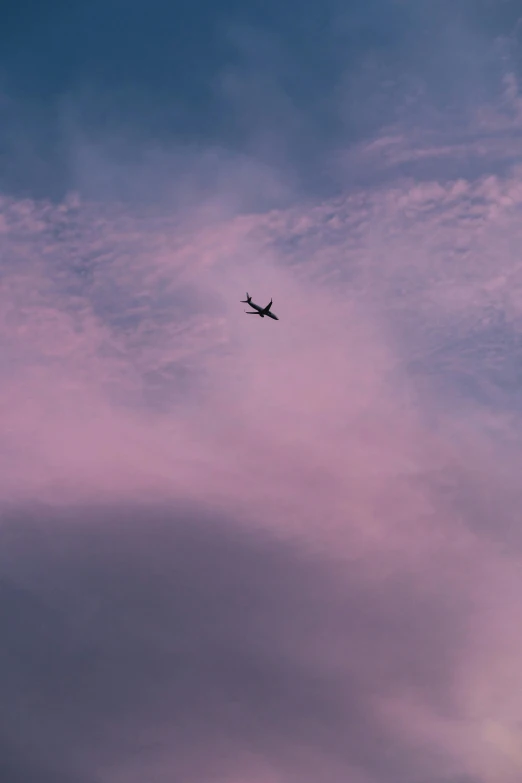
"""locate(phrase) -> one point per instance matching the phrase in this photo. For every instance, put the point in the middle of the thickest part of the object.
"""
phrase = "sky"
(240, 550)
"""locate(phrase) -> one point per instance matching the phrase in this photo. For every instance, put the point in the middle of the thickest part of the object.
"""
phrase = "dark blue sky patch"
(285, 82)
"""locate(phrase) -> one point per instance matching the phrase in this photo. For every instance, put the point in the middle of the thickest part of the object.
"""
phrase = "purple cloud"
(288, 551)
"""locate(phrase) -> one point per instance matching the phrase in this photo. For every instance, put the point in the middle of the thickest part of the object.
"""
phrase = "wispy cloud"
(236, 550)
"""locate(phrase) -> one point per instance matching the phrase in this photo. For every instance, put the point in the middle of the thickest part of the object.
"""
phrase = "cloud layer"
(242, 551)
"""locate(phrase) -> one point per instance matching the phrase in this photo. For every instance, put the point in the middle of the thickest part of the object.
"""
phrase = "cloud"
(235, 550)
(167, 638)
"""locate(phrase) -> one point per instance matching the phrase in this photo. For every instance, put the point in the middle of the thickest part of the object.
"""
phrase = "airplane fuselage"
(261, 312)
(257, 310)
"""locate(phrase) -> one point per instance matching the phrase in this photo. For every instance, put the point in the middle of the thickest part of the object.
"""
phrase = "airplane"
(262, 311)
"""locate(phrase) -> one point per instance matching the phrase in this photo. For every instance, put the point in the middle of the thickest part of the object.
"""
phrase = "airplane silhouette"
(262, 311)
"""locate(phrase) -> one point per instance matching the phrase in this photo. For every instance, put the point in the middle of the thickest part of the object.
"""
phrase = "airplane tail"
(247, 300)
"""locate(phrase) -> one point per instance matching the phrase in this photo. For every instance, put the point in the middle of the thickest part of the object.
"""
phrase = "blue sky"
(284, 82)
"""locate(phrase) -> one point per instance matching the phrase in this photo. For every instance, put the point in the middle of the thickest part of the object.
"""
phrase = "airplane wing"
(267, 308)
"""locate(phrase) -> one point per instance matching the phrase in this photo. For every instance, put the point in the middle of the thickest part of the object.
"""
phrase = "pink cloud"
(131, 376)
